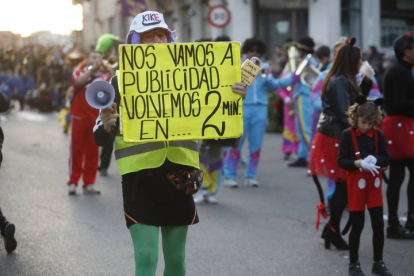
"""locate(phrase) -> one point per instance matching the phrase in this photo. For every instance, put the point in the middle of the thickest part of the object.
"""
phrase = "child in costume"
(363, 154)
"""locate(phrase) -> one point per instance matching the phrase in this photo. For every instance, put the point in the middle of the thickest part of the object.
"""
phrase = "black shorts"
(150, 198)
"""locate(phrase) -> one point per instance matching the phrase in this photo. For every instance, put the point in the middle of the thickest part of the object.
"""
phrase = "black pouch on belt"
(188, 181)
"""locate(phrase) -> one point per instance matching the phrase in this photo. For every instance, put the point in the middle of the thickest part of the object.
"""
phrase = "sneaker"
(211, 199)
(399, 232)
(232, 183)
(300, 162)
(355, 269)
(252, 182)
(7, 234)
(379, 269)
(72, 189)
(103, 172)
(199, 197)
(90, 189)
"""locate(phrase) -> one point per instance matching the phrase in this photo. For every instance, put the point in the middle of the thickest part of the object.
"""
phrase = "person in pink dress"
(290, 139)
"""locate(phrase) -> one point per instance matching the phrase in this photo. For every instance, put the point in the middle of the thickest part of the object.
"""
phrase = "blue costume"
(303, 109)
(254, 125)
(7, 85)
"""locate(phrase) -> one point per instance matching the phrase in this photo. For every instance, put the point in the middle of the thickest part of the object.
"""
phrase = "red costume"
(399, 130)
(84, 153)
(363, 187)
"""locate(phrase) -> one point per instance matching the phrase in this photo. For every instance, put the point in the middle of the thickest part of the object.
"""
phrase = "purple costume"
(290, 139)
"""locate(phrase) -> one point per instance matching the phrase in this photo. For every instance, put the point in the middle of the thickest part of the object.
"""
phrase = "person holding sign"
(151, 202)
(254, 116)
(107, 45)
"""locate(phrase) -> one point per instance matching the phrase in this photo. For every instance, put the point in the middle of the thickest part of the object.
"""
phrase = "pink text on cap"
(150, 19)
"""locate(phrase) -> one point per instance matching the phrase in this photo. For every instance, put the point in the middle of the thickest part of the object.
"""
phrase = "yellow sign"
(249, 71)
(179, 91)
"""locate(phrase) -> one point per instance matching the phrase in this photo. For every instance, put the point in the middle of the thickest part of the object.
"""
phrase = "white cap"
(147, 21)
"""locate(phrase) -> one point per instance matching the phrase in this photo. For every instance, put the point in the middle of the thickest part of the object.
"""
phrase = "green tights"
(145, 239)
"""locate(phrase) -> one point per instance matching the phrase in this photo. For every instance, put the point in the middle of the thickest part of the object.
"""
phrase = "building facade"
(372, 22)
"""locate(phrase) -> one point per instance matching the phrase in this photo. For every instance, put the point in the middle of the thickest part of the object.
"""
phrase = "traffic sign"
(218, 16)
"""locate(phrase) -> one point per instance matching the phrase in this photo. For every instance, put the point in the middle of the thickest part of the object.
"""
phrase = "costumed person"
(323, 57)
(84, 153)
(151, 202)
(254, 119)
(316, 102)
(301, 98)
(398, 129)
(363, 154)
(338, 94)
(27, 85)
(211, 158)
(72, 60)
(290, 139)
(7, 229)
(107, 45)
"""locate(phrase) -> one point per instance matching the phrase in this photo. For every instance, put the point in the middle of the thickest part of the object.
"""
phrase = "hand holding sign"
(240, 88)
(109, 116)
(250, 69)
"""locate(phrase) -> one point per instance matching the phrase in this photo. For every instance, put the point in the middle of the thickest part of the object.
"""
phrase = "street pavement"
(262, 231)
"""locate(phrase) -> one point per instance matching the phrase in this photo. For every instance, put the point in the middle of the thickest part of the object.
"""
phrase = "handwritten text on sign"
(180, 91)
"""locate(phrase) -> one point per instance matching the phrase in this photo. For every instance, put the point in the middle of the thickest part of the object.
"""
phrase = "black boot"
(7, 233)
(300, 162)
(335, 238)
(379, 269)
(399, 232)
(355, 269)
(410, 221)
(287, 155)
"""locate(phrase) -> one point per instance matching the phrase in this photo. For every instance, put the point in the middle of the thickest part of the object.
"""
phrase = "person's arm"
(4, 102)
(108, 121)
(339, 94)
(82, 80)
(374, 93)
(290, 79)
(400, 89)
(383, 159)
(346, 156)
(316, 94)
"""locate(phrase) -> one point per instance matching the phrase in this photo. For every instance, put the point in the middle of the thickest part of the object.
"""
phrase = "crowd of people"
(331, 113)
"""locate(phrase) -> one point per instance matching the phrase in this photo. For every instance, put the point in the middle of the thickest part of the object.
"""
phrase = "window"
(351, 19)
(397, 18)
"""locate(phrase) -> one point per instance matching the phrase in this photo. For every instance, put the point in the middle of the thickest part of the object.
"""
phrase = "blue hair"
(135, 38)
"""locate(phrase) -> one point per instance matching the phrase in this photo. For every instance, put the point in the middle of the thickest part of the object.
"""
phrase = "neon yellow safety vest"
(133, 157)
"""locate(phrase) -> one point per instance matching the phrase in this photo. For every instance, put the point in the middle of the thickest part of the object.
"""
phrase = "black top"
(339, 95)
(366, 144)
(399, 90)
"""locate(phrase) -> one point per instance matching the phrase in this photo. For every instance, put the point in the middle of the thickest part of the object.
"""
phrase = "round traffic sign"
(218, 16)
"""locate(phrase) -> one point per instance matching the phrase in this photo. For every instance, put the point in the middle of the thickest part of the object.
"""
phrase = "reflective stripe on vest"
(133, 157)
